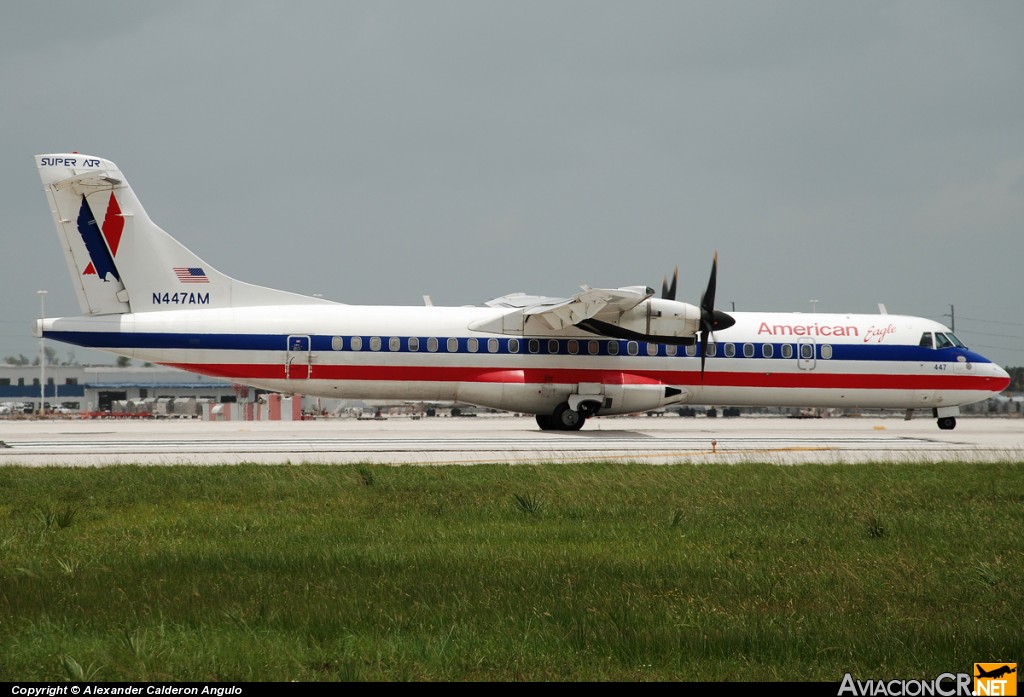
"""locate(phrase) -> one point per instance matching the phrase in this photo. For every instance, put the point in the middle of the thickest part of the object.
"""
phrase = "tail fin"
(120, 260)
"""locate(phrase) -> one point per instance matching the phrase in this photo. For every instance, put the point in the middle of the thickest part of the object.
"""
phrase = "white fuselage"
(430, 353)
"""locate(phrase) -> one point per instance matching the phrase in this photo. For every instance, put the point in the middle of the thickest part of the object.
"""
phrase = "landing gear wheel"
(568, 419)
(547, 422)
(947, 423)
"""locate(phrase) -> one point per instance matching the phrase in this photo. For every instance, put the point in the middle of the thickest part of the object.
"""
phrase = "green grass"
(555, 572)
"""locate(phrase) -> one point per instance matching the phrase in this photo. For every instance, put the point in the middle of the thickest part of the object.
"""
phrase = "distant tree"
(123, 361)
(20, 359)
(1016, 379)
(51, 355)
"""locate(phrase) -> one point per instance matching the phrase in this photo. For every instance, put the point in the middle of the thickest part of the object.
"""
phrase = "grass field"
(502, 573)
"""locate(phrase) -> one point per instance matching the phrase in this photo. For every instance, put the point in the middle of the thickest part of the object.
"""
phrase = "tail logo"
(101, 244)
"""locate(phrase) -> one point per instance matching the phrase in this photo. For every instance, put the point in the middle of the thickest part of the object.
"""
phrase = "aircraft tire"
(947, 423)
(568, 419)
(547, 422)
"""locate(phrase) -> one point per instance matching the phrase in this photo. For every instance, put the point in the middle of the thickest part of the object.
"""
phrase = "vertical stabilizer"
(120, 260)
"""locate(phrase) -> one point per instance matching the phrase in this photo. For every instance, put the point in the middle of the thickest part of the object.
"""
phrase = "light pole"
(42, 351)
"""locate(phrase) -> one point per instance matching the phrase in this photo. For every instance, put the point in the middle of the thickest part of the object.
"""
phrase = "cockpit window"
(956, 342)
(942, 341)
(926, 340)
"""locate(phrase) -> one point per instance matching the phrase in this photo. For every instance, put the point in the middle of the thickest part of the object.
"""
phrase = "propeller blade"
(707, 300)
(669, 292)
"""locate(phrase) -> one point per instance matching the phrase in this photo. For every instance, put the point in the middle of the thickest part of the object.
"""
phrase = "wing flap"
(586, 304)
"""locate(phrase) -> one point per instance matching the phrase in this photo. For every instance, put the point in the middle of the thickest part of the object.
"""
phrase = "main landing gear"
(565, 418)
(947, 423)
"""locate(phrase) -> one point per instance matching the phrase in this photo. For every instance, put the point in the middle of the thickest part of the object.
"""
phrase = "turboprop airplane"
(601, 351)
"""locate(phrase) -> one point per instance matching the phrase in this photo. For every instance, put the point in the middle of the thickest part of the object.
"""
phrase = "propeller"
(669, 292)
(710, 318)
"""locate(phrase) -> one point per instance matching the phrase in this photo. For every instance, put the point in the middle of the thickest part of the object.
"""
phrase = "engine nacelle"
(655, 319)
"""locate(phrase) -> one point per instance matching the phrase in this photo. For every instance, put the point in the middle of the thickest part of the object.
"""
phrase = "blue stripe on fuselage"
(606, 347)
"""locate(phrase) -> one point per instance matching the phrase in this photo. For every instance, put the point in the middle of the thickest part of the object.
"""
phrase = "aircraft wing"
(559, 313)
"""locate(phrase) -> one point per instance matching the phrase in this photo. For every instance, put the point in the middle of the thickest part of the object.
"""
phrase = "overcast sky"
(852, 153)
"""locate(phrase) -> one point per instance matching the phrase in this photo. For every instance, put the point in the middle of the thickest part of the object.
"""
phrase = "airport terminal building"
(88, 389)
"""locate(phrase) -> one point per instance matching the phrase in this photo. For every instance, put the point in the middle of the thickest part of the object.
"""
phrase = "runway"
(508, 439)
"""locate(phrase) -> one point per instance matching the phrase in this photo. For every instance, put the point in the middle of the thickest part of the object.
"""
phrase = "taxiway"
(508, 439)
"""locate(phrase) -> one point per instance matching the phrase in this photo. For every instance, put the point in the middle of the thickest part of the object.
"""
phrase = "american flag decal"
(191, 274)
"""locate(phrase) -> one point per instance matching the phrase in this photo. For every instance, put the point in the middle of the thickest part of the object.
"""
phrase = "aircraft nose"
(1003, 376)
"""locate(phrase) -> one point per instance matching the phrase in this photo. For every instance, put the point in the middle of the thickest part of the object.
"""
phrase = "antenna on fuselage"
(881, 309)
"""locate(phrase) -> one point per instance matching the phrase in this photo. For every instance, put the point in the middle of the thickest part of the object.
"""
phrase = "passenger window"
(432, 344)
(375, 343)
(712, 349)
(574, 346)
(787, 350)
(652, 348)
(337, 343)
(357, 343)
(748, 350)
(492, 345)
(826, 351)
(394, 344)
(670, 350)
(613, 348)
(553, 346)
(593, 347)
(691, 350)
(534, 346)
(806, 351)
(632, 348)
(767, 350)
(453, 345)
(414, 343)
(513, 345)
(730, 350)
(473, 344)
(926, 340)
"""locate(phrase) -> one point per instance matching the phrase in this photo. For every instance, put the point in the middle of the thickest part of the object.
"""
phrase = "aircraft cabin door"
(298, 362)
(805, 356)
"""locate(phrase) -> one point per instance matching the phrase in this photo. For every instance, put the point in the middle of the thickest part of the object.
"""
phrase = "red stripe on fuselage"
(807, 380)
